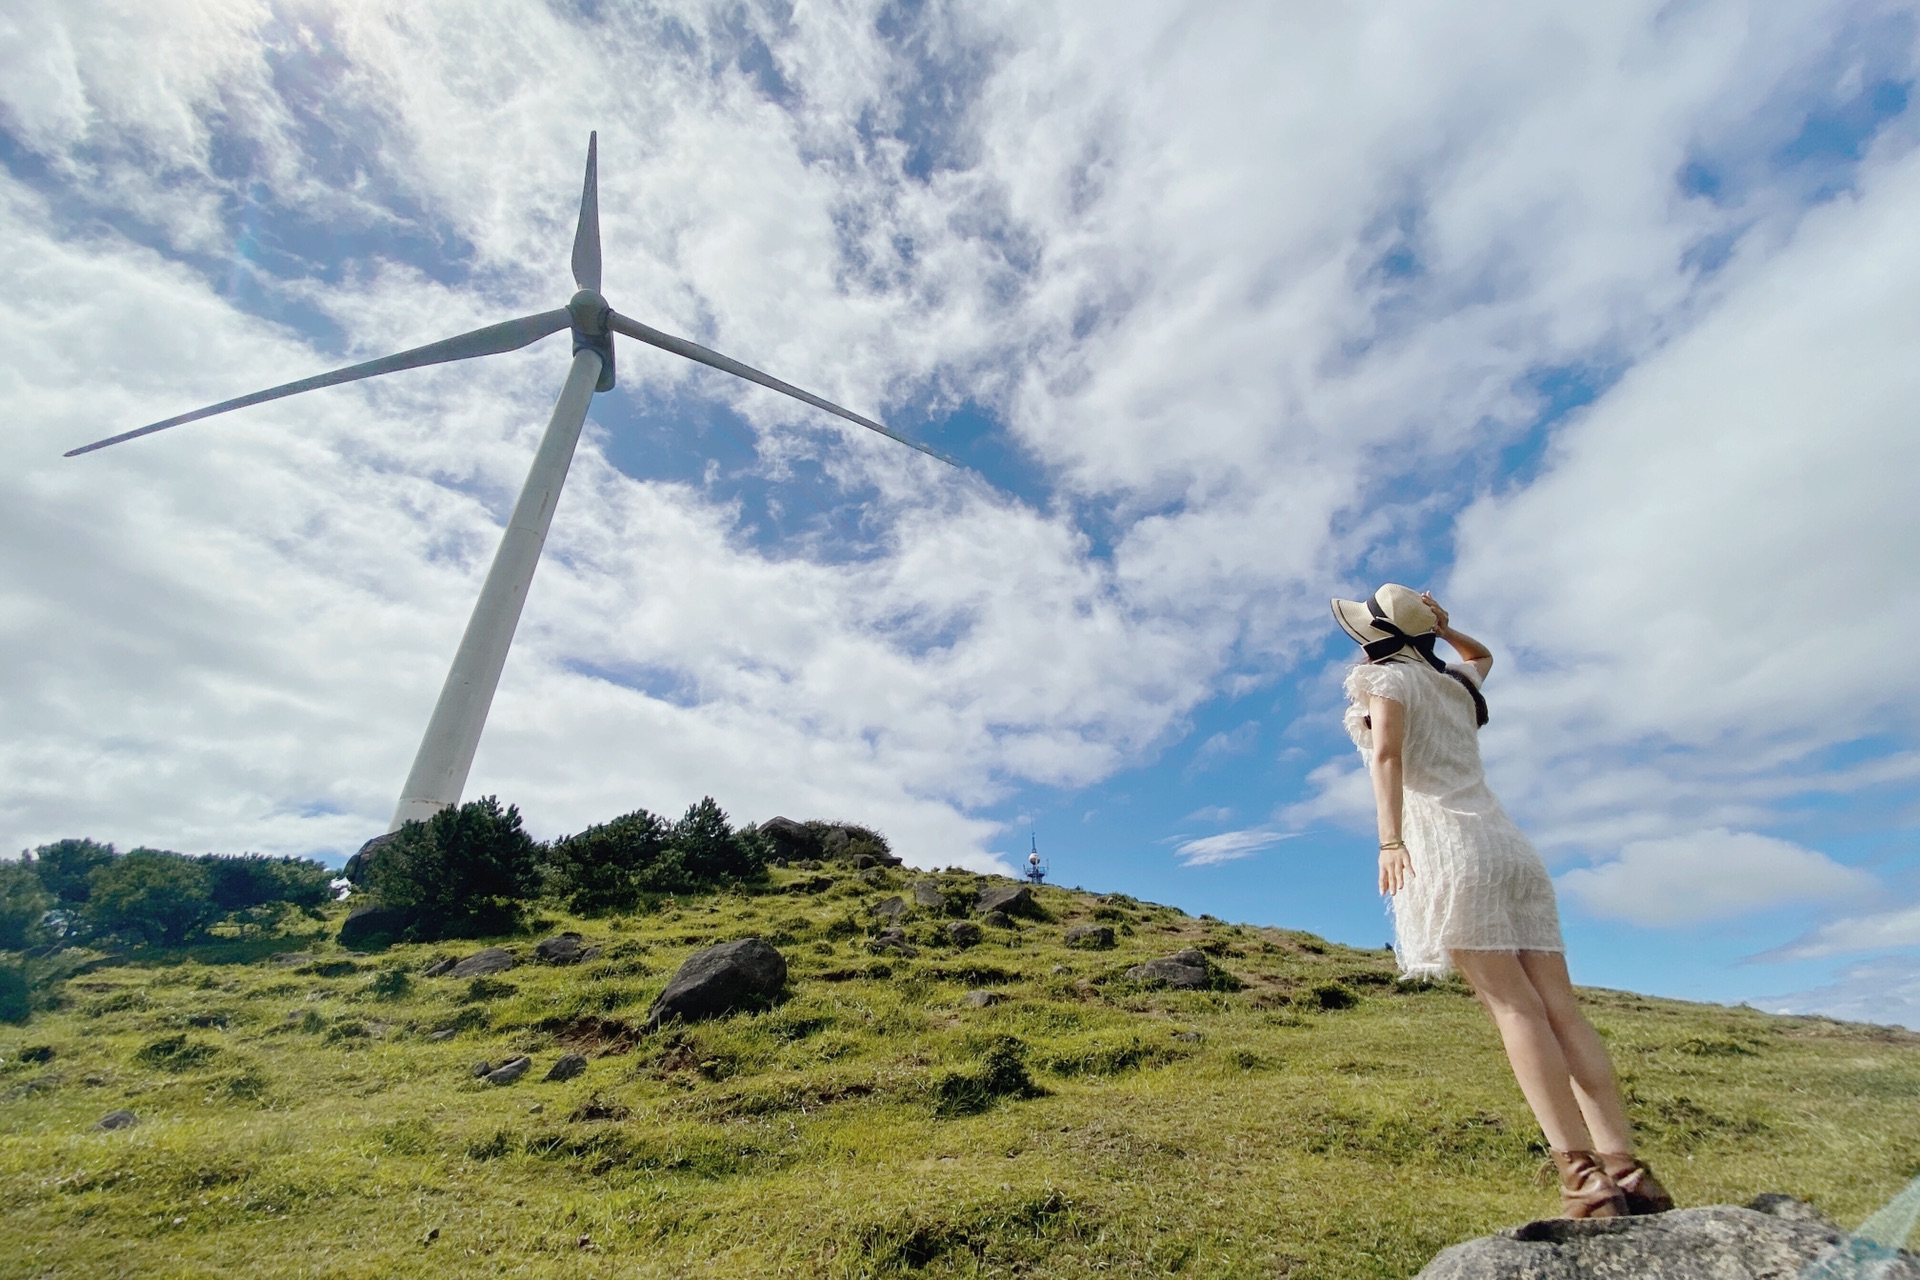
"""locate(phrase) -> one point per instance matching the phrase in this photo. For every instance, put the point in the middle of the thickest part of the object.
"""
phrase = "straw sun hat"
(1395, 621)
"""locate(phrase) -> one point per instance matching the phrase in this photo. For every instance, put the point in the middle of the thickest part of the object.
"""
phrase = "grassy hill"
(304, 1113)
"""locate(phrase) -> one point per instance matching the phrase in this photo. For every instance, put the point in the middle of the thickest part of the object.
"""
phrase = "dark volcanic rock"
(1012, 900)
(1093, 937)
(509, 1071)
(1187, 970)
(480, 963)
(1776, 1236)
(720, 979)
(790, 840)
(997, 920)
(926, 893)
(563, 949)
(894, 940)
(891, 908)
(980, 999)
(117, 1120)
(964, 933)
(355, 872)
(372, 925)
(441, 966)
(569, 1066)
(480, 1069)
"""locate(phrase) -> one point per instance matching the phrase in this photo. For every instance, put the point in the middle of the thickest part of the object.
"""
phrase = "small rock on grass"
(926, 893)
(481, 963)
(981, 999)
(997, 920)
(1185, 970)
(892, 908)
(1013, 900)
(443, 965)
(510, 1070)
(963, 933)
(566, 948)
(569, 1066)
(1092, 937)
(117, 1120)
(444, 1033)
(481, 1068)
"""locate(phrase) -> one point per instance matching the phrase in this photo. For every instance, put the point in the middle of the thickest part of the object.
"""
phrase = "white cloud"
(1709, 875)
(1885, 991)
(1875, 931)
(1228, 846)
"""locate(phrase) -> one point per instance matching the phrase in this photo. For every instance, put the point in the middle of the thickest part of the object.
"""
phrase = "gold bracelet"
(1393, 844)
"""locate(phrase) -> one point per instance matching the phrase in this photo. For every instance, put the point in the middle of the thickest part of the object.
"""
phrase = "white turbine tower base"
(453, 734)
(439, 772)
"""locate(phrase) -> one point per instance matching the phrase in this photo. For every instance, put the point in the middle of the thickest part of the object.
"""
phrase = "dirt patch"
(585, 1033)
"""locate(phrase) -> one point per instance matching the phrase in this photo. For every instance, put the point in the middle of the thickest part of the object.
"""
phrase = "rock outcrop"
(1012, 900)
(565, 948)
(481, 963)
(372, 926)
(720, 979)
(1092, 937)
(1186, 970)
(1774, 1238)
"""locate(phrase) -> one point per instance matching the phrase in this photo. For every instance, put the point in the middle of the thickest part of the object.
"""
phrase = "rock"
(997, 920)
(1012, 900)
(443, 965)
(355, 872)
(444, 1033)
(481, 963)
(480, 1068)
(926, 893)
(719, 979)
(834, 842)
(894, 939)
(863, 861)
(1060, 971)
(1092, 937)
(892, 908)
(37, 1053)
(790, 840)
(117, 1120)
(569, 1066)
(814, 884)
(1774, 1236)
(964, 933)
(980, 999)
(1186, 970)
(372, 925)
(563, 949)
(1187, 1037)
(510, 1070)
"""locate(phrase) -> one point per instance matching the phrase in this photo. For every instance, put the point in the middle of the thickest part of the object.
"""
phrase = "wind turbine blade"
(509, 335)
(586, 236)
(694, 351)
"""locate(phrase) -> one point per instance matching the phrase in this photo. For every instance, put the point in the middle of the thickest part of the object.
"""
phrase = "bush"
(462, 872)
(253, 881)
(710, 852)
(158, 897)
(66, 868)
(606, 867)
(23, 905)
(16, 994)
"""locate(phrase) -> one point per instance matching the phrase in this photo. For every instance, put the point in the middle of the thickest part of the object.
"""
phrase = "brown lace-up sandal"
(1586, 1190)
(1636, 1182)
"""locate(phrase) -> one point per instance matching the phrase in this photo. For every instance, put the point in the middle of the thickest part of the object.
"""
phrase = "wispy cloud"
(1875, 931)
(1228, 846)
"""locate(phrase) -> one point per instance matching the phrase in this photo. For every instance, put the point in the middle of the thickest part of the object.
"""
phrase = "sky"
(1596, 320)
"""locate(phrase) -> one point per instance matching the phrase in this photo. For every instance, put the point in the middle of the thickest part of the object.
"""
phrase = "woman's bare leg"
(1593, 1081)
(1539, 1063)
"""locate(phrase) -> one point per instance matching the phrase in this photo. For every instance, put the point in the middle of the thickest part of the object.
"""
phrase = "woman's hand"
(1396, 868)
(1439, 614)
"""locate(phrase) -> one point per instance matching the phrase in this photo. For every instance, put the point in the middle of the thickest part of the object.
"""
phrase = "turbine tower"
(439, 772)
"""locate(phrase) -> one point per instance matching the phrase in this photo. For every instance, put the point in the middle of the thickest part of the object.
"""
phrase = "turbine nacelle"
(589, 314)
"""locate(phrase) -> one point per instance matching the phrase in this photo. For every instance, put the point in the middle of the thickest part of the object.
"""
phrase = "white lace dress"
(1477, 884)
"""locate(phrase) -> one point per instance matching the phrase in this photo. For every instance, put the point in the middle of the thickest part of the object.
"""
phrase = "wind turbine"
(453, 734)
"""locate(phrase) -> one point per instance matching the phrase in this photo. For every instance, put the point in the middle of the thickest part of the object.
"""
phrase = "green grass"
(296, 1118)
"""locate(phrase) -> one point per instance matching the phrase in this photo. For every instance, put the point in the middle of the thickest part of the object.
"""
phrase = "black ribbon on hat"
(1422, 644)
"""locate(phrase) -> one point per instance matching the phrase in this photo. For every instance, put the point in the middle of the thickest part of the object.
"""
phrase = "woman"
(1469, 892)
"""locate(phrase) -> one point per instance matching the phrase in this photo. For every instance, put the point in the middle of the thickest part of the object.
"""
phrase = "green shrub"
(464, 872)
(157, 897)
(24, 903)
(709, 851)
(66, 867)
(606, 867)
(252, 881)
(16, 994)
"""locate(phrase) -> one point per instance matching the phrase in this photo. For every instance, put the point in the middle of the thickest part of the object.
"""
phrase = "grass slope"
(298, 1120)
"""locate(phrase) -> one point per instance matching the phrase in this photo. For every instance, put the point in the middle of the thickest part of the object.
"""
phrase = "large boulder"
(1008, 899)
(372, 926)
(926, 893)
(790, 840)
(1186, 970)
(1774, 1236)
(355, 872)
(1091, 937)
(481, 963)
(720, 979)
(565, 948)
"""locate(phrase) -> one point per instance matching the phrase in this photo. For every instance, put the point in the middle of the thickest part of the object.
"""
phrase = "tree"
(708, 851)
(160, 897)
(464, 871)
(606, 867)
(65, 868)
(252, 881)
(24, 903)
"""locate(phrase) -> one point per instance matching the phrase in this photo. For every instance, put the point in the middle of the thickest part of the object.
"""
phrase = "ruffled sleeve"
(1366, 680)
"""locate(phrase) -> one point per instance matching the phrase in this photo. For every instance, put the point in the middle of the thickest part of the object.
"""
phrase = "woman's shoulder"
(1377, 679)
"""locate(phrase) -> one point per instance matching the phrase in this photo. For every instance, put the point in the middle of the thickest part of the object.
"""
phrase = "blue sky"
(1599, 324)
